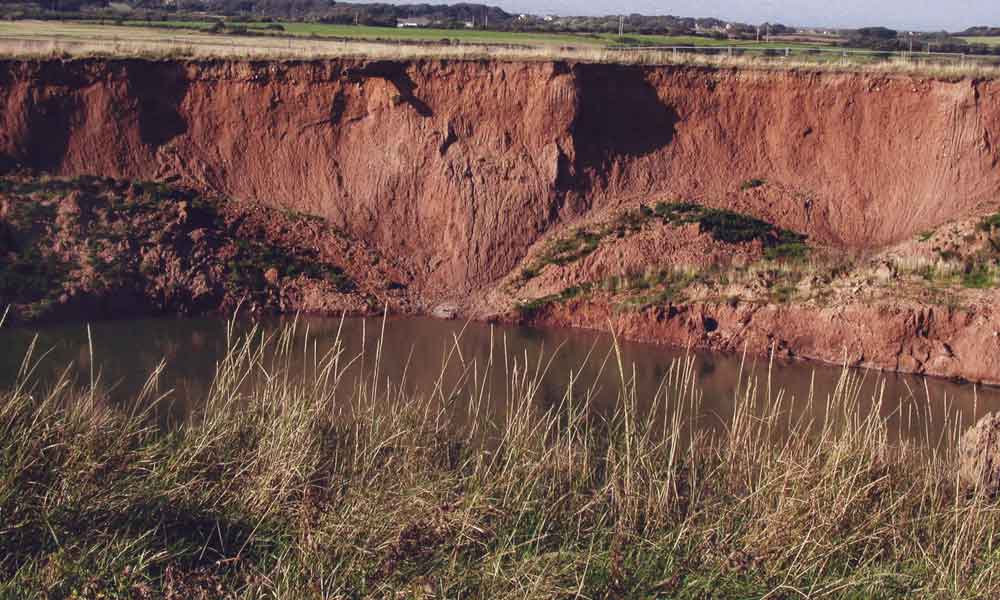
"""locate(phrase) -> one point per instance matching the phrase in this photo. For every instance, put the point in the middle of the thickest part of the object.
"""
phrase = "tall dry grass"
(195, 46)
(298, 480)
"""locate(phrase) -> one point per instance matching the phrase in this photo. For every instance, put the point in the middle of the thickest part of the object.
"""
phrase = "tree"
(877, 33)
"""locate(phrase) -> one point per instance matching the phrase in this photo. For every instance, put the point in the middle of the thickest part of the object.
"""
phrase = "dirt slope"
(455, 169)
(461, 165)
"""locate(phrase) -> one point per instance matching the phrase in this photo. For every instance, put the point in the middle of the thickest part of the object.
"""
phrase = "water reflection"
(414, 350)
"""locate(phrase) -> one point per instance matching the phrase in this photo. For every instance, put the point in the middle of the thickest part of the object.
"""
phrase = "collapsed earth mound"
(96, 247)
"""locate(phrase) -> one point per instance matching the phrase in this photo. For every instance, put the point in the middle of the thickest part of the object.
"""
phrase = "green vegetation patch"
(149, 246)
(531, 308)
(248, 268)
(736, 228)
(723, 225)
(655, 288)
(752, 184)
(990, 223)
(978, 276)
(584, 241)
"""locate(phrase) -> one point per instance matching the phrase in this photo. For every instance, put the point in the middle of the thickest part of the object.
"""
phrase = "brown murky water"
(414, 351)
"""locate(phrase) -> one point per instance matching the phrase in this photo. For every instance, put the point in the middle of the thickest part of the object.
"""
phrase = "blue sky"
(901, 14)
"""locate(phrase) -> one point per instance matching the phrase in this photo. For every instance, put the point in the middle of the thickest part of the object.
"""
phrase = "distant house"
(414, 22)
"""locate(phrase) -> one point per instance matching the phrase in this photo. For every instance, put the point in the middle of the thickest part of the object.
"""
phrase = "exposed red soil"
(455, 170)
(885, 335)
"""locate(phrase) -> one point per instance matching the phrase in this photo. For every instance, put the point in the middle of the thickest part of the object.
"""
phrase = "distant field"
(693, 40)
(314, 40)
(362, 32)
(989, 41)
(393, 33)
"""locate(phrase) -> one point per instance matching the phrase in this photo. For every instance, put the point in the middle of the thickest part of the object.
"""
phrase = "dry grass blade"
(300, 477)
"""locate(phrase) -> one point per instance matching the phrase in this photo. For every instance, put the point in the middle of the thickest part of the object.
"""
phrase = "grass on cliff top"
(294, 480)
(49, 39)
(363, 32)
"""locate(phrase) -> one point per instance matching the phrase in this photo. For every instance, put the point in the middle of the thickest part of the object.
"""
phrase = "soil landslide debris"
(842, 217)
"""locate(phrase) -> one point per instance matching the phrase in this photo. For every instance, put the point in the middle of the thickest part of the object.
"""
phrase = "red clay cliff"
(463, 172)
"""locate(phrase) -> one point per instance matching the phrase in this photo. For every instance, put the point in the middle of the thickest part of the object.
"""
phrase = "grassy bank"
(364, 32)
(37, 39)
(300, 481)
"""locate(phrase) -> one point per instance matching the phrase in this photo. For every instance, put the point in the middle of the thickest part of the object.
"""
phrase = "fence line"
(252, 44)
(775, 51)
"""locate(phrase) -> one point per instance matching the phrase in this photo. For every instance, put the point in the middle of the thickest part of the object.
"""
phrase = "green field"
(989, 41)
(362, 32)
(312, 40)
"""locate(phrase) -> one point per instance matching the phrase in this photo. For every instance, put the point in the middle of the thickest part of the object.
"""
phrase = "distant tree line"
(382, 14)
(463, 14)
(981, 31)
(890, 40)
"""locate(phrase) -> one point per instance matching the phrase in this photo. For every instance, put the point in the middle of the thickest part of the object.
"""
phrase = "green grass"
(656, 288)
(529, 309)
(979, 276)
(294, 481)
(990, 223)
(660, 286)
(363, 32)
(694, 40)
(175, 39)
(584, 241)
(751, 184)
(735, 228)
(723, 225)
(988, 41)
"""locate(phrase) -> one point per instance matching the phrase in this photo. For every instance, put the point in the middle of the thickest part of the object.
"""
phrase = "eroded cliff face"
(457, 171)
(459, 166)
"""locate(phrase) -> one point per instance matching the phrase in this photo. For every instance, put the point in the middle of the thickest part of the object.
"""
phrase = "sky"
(927, 15)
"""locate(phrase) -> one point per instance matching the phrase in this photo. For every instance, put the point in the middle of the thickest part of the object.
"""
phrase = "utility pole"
(621, 26)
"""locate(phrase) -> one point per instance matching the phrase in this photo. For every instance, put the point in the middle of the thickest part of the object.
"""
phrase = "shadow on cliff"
(620, 115)
(395, 73)
(50, 122)
(159, 89)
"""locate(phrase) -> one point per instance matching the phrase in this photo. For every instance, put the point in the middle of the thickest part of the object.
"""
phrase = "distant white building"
(414, 22)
